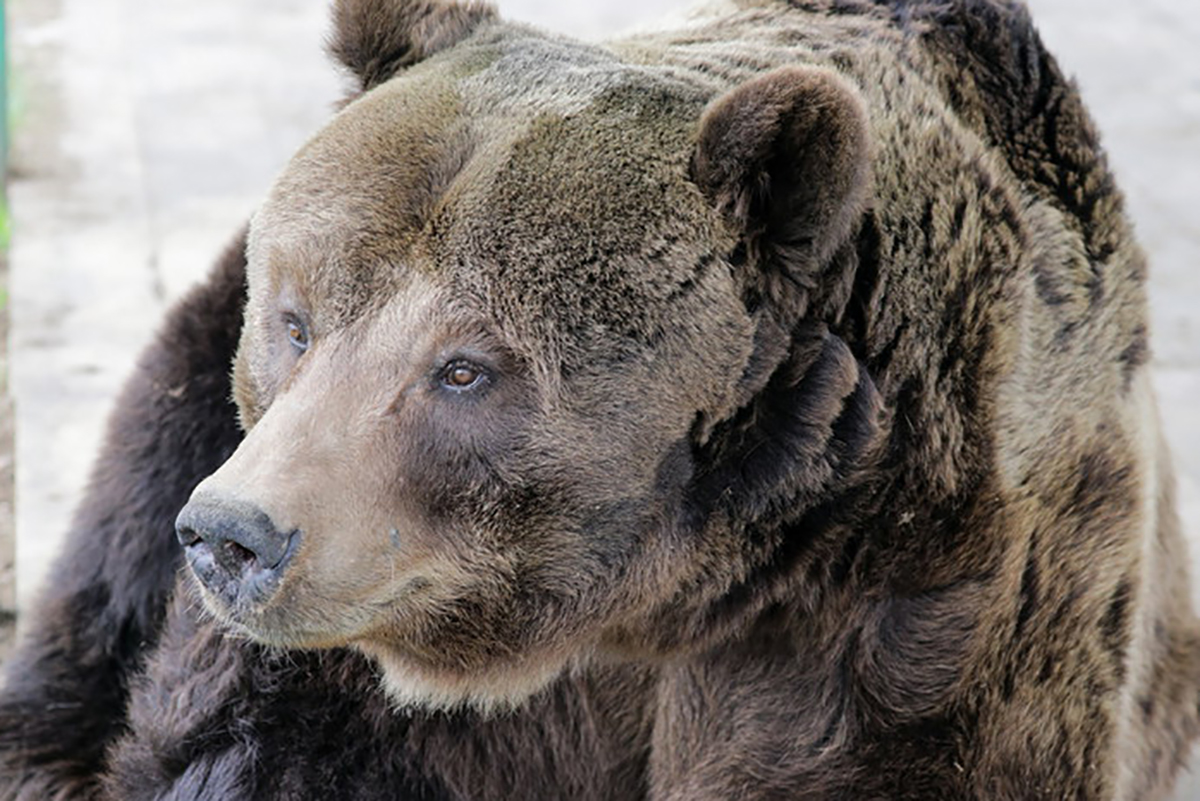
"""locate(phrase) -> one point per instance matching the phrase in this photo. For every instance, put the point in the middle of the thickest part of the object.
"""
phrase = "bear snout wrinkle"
(234, 548)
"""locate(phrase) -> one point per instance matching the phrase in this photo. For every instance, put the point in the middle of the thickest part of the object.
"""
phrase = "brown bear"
(757, 409)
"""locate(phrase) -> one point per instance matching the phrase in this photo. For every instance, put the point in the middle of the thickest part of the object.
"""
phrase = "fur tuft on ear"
(375, 39)
(786, 159)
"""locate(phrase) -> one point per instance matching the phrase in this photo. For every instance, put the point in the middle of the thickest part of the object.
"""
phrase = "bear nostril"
(188, 537)
(233, 547)
(238, 553)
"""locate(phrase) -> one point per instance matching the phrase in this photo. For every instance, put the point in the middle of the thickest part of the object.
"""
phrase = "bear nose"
(233, 547)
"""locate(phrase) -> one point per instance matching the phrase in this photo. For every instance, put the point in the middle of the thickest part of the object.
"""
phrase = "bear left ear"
(375, 39)
(785, 157)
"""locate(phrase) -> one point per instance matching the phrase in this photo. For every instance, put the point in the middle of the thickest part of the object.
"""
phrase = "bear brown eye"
(461, 376)
(297, 333)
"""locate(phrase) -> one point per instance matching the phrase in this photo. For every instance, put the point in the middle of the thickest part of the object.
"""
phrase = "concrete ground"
(145, 131)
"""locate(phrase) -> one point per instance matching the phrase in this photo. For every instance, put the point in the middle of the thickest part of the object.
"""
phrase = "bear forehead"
(541, 176)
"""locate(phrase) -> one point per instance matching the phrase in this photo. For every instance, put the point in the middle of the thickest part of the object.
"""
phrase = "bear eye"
(461, 376)
(297, 333)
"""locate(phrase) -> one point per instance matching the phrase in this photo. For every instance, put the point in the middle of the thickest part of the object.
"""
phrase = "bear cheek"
(402, 530)
(370, 553)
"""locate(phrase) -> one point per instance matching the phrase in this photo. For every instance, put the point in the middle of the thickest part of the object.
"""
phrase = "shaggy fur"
(753, 410)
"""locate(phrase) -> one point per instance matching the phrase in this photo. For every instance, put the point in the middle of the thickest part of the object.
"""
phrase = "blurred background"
(143, 132)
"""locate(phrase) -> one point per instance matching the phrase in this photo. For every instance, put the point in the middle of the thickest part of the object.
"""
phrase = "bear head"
(538, 363)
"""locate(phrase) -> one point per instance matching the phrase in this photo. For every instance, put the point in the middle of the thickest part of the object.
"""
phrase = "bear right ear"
(375, 39)
(785, 157)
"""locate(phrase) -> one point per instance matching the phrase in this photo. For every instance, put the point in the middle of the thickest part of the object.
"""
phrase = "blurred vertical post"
(8, 582)
(4, 110)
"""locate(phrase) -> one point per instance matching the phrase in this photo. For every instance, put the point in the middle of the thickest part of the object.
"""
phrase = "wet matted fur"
(757, 409)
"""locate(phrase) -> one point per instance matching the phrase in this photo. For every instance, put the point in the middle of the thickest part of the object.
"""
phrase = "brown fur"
(376, 38)
(810, 451)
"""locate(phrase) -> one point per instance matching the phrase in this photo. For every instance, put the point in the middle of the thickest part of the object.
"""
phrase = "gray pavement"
(147, 130)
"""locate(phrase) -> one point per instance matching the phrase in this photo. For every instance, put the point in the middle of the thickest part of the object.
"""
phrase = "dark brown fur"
(103, 607)
(813, 455)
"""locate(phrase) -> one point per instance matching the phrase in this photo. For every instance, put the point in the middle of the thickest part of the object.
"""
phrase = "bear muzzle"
(234, 549)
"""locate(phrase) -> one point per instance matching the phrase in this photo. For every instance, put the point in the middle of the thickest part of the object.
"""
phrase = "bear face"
(495, 310)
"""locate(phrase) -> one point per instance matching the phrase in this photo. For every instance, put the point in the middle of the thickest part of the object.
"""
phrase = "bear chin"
(495, 690)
